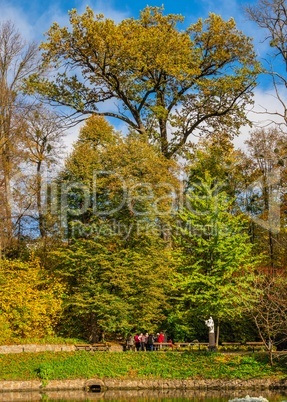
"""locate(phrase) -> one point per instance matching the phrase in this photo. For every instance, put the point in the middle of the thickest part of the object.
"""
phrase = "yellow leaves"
(97, 131)
(220, 39)
(128, 170)
(154, 16)
(151, 45)
(29, 298)
(151, 70)
(155, 46)
(153, 42)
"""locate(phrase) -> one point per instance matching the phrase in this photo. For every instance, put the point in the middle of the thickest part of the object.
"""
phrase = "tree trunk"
(94, 331)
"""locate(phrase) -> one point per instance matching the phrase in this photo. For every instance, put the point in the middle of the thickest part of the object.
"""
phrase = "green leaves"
(218, 266)
(114, 283)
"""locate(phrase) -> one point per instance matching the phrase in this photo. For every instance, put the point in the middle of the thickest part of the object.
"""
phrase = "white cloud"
(33, 25)
(71, 137)
(267, 110)
(21, 22)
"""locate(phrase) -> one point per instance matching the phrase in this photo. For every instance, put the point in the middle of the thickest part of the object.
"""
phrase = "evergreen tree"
(217, 263)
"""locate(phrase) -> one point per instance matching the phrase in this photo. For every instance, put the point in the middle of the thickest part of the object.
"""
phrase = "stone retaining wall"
(98, 385)
(35, 348)
(44, 348)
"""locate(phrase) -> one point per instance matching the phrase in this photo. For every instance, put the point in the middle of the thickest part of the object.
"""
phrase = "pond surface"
(140, 396)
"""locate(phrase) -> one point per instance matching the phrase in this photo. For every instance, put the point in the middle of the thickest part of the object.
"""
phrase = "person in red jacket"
(137, 342)
(160, 338)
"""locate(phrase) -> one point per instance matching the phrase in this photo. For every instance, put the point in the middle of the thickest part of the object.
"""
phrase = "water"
(140, 396)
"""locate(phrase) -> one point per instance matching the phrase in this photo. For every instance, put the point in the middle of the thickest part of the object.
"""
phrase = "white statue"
(210, 324)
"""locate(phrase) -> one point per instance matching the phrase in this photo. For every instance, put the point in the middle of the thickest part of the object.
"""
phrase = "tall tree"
(161, 79)
(42, 147)
(266, 203)
(17, 61)
(117, 195)
(217, 263)
(271, 16)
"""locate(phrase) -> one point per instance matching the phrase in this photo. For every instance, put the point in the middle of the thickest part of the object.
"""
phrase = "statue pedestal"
(212, 345)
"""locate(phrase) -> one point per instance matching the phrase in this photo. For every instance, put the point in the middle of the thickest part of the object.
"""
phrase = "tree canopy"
(122, 181)
(114, 288)
(161, 81)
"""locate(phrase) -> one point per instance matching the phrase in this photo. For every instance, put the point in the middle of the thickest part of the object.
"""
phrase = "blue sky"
(34, 17)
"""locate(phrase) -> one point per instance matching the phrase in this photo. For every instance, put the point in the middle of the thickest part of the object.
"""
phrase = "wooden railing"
(191, 345)
(168, 346)
(93, 347)
(255, 345)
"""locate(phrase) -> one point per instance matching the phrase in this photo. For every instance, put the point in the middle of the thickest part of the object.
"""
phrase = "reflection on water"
(140, 396)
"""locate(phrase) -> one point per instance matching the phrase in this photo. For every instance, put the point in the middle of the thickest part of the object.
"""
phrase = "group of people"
(146, 342)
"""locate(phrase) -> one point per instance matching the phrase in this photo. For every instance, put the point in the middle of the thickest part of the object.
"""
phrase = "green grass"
(168, 365)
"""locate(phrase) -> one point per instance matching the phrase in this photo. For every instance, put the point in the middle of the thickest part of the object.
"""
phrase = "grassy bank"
(168, 365)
